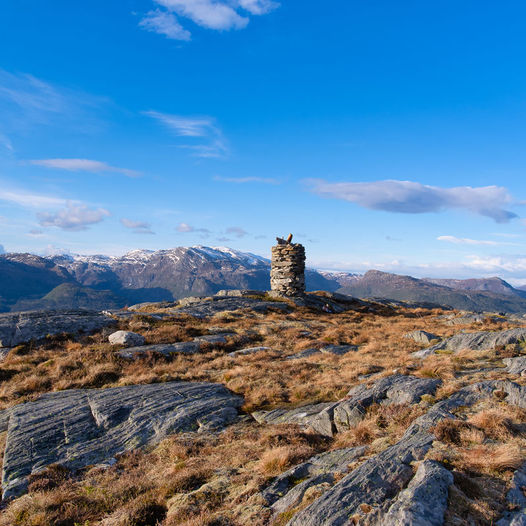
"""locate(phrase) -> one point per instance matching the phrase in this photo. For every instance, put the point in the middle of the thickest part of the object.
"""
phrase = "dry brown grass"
(265, 380)
(187, 479)
(214, 480)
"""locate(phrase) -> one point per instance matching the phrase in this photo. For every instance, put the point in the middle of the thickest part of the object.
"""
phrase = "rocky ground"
(244, 409)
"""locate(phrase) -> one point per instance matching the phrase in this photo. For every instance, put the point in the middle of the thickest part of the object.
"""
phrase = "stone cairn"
(287, 273)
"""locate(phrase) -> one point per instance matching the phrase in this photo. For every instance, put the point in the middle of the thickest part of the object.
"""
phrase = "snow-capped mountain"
(62, 281)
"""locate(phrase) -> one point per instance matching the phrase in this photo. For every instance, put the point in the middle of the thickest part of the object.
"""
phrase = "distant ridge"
(474, 295)
(30, 282)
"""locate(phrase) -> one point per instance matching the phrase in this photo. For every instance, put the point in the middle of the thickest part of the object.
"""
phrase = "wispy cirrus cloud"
(219, 15)
(467, 241)
(84, 165)
(210, 142)
(30, 200)
(27, 101)
(408, 197)
(138, 227)
(74, 217)
(243, 180)
(5, 142)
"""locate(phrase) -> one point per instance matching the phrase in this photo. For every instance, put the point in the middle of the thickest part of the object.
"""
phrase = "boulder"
(313, 416)
(422, 337)
(77, 428)
(21, 327)
(126, 338)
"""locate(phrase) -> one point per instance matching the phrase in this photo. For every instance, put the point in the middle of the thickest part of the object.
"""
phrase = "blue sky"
(384, 134)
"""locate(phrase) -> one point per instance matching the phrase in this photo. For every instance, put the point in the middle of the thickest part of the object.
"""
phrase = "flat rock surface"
(338, 350)
(162, 348)
(476, 341)
(213, 338)
(77, 428)
(20, 327)
(249, 350)
(207, 308)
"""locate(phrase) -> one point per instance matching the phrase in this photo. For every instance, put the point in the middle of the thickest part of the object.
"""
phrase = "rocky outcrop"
(516, 500)
(476, 341)
(77, 428)
(516, 365)
(23, 327)
(424, 501)
(288, 490)
(214, 305)
(329, 418)
(126, 338)
(385, 485)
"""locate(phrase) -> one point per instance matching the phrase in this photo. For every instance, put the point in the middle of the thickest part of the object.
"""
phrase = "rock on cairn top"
(287, 273)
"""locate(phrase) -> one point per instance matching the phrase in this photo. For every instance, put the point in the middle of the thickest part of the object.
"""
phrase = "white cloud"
(241, 180)
(467, 241)
(165, 24)
(258, 7)
(2, 249)
(219, 15)
(509, 267)
(74, 217)
(207, 13)
(29, 200)
(83, 165)
(204, 128)
(185, 228)
(498, 264)
(236, 231)
(138, 227)
(408, 197)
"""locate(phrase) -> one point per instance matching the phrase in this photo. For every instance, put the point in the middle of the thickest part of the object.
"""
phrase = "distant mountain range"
(31, 282)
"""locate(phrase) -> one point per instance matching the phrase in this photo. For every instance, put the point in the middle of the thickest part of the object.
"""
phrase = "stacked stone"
(287, 273)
